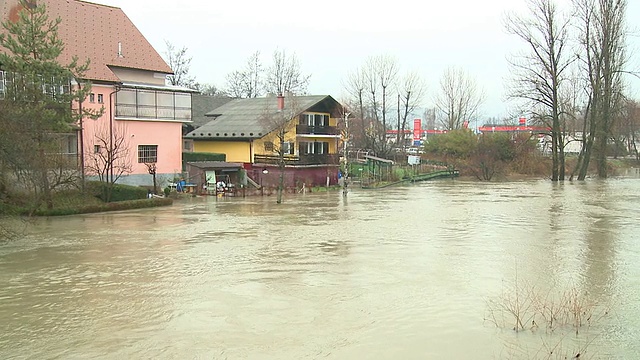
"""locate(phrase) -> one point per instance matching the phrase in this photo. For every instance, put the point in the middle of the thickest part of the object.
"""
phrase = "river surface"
(417, 272)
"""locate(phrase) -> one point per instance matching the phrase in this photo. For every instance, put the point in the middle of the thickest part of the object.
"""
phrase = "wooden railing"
(316, 130)
(309, 159)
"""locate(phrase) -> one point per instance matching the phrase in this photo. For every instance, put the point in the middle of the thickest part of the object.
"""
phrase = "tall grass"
(550, 315)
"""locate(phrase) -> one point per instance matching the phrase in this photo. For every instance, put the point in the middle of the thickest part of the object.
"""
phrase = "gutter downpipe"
(81, 139)
(112, 108)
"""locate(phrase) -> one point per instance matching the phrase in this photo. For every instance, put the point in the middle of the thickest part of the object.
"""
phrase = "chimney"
(280, 102)
(120, 50)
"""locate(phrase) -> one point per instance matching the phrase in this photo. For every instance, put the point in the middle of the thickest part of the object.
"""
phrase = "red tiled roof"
(93, 31)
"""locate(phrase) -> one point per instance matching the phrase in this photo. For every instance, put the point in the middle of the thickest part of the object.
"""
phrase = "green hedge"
(118, 192)
(200, 156)
(113, 206)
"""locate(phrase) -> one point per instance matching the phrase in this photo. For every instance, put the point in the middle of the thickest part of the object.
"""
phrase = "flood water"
(414, 272)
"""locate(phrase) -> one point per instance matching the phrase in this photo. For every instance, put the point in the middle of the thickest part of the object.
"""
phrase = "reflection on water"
(400, 273)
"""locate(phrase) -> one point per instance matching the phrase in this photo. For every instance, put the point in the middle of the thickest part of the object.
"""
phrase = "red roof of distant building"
(423, 131)
(511, 128)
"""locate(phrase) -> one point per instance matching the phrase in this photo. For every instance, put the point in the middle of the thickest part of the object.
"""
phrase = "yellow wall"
(290, 136)
(236, 151)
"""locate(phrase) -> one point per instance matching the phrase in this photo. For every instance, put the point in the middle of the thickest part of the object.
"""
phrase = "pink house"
(143, 117)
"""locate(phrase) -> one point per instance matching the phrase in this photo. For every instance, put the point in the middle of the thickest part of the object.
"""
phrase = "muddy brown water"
(413, 272)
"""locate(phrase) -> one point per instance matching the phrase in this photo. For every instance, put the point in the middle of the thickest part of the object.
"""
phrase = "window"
(319, 120)
(126, 97)
(100, 99)
(151, 104)
(96, 149)
(321, 147)
(147, 153)
(306, 119)
(52, 87)
(146, 98)
(287, 148)
(92, 97)
(316, 148)
(268, 146)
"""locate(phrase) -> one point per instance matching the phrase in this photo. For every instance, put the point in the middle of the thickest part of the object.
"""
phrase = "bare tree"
(343, 124)
(210, 90)
(539, 72)
(282, 126)
(248, 82)
(356, 87)
(152, 169)
(459, 99)
(631, 126)
(410, 94)
(284, 76)
(372, 93)
(381, 74)
(602, 38)
(180, 63)
(108, 156)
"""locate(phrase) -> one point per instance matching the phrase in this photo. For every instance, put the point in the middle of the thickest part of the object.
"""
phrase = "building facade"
(141, 117)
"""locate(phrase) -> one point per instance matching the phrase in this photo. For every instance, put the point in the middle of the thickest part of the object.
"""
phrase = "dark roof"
(94, 31)
(244, 118)
(202, 104)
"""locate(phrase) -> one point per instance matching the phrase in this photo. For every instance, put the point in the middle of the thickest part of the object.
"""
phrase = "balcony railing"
(309, 159)
(316, 130)
(154, 112)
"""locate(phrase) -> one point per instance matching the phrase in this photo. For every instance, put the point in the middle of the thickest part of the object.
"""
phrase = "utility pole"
(345, 143)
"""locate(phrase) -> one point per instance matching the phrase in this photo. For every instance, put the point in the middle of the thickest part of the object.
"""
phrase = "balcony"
(316, 130)
(153, 112)
(152, 104)
(295, 160)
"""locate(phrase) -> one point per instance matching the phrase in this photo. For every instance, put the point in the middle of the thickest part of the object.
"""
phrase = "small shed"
(207, 173)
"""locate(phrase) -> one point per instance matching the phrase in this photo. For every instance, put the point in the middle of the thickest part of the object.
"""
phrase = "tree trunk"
(588, 138)
(554, 154)
(281, 166)
(561, 162)
(155, 184)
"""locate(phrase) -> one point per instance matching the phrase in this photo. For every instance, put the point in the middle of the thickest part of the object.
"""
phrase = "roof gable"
(97, 32)
(243, 118)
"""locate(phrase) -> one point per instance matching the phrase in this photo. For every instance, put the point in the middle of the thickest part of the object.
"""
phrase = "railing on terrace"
(153, 112)
(310, 159)
(316, 130)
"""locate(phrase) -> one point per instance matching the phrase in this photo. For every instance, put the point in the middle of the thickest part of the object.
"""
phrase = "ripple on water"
(402, 273)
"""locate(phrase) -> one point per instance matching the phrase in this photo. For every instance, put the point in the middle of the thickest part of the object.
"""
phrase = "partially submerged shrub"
(558, 312)
(116, 192)
(113, 206)
(522, 306)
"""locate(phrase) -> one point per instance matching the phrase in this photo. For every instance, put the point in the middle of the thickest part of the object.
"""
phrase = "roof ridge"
(97, 4)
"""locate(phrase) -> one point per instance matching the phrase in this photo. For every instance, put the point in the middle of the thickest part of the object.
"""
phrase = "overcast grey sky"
(334, 37)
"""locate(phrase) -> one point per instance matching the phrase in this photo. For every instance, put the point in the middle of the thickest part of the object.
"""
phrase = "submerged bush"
(112, 206)
(116, 192)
